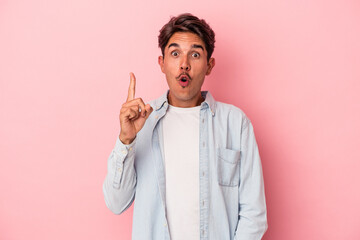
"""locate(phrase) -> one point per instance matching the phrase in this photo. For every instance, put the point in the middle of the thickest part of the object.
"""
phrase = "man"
(191, 163)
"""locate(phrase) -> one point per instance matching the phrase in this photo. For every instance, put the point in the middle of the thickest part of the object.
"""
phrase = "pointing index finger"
(131, 91)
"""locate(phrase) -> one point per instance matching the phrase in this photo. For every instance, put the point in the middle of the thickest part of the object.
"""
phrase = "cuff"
(124, 149)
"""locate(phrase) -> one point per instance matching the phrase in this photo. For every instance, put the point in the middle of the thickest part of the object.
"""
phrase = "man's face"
(185, 66)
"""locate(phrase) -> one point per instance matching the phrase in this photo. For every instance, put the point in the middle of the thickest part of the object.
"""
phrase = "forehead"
(185, 39)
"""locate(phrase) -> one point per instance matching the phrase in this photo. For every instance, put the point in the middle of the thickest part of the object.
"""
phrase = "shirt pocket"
(228, 167)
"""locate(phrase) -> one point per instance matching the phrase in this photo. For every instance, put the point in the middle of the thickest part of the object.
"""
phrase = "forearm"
(252, 223)
(120, 182)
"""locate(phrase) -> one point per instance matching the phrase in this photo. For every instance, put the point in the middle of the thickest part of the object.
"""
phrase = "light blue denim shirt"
(232, 199)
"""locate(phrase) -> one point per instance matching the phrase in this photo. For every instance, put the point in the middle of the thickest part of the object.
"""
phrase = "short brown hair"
(187, 22)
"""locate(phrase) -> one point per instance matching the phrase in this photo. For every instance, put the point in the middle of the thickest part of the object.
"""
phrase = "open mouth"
(184, 80)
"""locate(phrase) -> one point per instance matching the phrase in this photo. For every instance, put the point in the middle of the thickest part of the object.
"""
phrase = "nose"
(185, 65)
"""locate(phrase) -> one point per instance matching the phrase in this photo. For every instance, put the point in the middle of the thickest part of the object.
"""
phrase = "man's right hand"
(131, 119)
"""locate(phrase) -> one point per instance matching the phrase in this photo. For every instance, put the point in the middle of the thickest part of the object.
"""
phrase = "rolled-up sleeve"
(252, 223)
(120, 181)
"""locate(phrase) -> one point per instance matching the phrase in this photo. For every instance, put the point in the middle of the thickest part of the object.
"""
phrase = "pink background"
(292, 66)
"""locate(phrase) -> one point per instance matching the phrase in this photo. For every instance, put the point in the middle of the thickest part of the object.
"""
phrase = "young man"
(191, 163)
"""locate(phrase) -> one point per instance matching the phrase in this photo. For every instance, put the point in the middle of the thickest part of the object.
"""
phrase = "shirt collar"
(209, 102)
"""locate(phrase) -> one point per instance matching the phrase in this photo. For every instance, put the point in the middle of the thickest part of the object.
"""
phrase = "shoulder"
(232, 115)
(230, 110)
(158, 102)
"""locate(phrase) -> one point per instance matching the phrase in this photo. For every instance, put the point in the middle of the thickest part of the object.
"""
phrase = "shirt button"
(165, 224)
(156, 117)
(203, 120)
(203, 173)
(130, 148)
(203, 144)
(203, 232)
(203, 203)
(123, 152)
(119, 170)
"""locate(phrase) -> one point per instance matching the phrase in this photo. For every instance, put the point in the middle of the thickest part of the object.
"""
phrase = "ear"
(161, 63)
(211, 64)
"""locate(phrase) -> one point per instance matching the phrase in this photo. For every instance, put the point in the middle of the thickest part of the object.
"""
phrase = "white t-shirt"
(181, 159)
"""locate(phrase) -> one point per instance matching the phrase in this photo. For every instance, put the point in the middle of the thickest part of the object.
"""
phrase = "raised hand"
(133, 114)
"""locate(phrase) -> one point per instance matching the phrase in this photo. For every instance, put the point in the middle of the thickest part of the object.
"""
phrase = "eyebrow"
(173, 45)
(192, 46)
(197, 46)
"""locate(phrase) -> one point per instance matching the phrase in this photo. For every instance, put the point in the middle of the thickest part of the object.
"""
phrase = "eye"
(175, 54)
(196, 55)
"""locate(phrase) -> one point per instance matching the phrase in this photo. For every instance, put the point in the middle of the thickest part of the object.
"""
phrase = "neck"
(196, 101)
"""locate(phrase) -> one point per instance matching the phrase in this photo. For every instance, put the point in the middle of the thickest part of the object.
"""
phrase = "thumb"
(148, 110)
